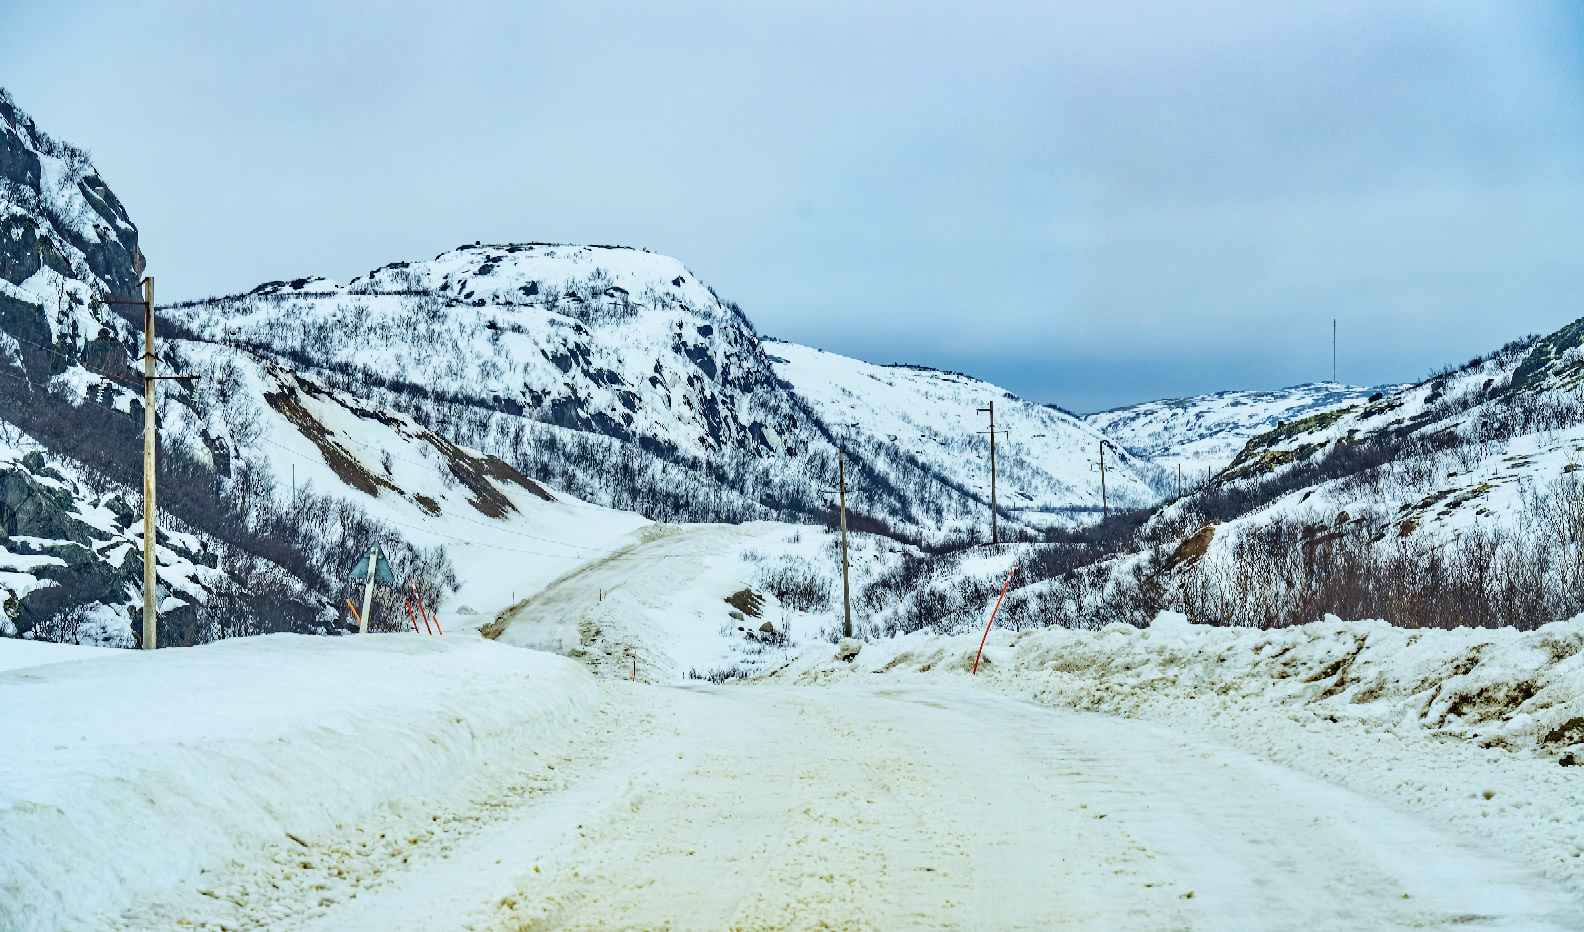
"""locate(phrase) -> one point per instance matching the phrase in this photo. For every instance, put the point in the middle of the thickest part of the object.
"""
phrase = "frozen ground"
(396, 782)
(664, 597)
(1464, 729)
(127, 772)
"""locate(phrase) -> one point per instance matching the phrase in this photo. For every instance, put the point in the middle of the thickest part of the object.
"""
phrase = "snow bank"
(128, 772)
(16, 654)
(1467, 725)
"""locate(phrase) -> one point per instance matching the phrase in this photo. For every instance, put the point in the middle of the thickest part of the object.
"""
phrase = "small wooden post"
(841, 478)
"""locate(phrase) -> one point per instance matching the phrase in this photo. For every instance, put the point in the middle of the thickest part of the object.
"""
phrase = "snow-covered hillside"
(1450, 502)
(1208, 431)
(616, 341)
(1047, 462)
(71, 564)
(615, 375)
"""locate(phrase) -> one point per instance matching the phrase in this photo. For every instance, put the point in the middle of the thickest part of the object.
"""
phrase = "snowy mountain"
(613, 374)
(1208, 431)
(1449, 502)
(1046, 463)
(242, 548)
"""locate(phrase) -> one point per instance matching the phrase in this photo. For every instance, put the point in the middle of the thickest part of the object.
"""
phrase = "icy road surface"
(890, 808)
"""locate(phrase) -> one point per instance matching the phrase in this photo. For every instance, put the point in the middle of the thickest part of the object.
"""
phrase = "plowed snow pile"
(1467, 725)
(126, 772)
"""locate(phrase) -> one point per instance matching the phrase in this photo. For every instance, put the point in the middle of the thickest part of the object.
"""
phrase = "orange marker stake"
(992, 618)
(355, 615)
(425, 611)
(408, 603)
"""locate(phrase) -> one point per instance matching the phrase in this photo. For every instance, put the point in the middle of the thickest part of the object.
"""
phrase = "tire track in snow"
(901, 808)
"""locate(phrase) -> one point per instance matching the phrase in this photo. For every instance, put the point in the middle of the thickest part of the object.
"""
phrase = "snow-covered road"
(876, 808)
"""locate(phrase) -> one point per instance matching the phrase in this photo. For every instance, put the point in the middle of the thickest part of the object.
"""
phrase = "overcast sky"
(1089, 203)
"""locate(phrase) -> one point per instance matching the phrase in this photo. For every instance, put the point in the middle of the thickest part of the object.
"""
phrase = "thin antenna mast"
(1333, 349)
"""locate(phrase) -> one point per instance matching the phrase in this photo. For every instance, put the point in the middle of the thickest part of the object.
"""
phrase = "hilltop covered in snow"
(616, 375)
(1047, 461)
(1209, 431)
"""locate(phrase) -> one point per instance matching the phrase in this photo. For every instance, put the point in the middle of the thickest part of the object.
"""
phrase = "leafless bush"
(1287, 572)
(796, 583)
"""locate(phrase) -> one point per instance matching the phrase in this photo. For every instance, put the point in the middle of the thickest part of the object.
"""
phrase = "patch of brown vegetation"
(747, 601)
(476, 472)
(1192, 548)
(472, 470)
(1569, 732)
(343, 463)
(430, 506)
(497, 468)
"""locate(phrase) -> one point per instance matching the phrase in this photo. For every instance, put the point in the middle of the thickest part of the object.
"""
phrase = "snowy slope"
(1043, 463)
(614, 340)
(135, 772)
(505, 534)
(1210, 430)
(71, 564)
(66, 246)
(666, 398)
(1460, 449)
(1465, 728)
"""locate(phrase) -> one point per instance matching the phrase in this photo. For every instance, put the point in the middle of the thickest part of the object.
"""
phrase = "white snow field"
(129, 772)
(1464, 729)
(394, 782)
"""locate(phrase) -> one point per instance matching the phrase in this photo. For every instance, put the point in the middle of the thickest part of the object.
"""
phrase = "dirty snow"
(133, 773)
(1462, 728)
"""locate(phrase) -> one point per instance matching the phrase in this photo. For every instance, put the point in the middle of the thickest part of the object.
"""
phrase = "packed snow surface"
(132, 772)
(1461, 728)
(1337, 776)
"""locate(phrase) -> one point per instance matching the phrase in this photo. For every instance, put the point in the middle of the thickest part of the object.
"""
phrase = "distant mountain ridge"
(1209, 431)
(617, 375)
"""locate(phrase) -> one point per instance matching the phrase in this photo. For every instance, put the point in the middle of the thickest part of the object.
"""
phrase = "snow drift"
(1468, 725)
(134, 770)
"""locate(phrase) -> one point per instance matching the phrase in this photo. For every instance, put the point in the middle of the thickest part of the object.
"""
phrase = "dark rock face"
(37, 239)
(31, 506)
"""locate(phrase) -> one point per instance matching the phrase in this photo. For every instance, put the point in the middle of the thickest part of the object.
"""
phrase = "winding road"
(756, 807)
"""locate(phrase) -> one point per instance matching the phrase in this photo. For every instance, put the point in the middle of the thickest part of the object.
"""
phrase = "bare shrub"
(796, 583)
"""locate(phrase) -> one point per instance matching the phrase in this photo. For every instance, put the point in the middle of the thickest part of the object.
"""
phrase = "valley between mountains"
(1308, 658)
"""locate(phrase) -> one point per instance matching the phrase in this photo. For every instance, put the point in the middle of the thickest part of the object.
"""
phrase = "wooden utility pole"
(150, 442)
(841, 486)
(1179, 480)
(1105, 506)
(995, 535)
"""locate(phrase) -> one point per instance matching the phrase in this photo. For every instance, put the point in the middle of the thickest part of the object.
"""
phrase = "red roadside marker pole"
(992, 618)
(423, 610)
(408, 603)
